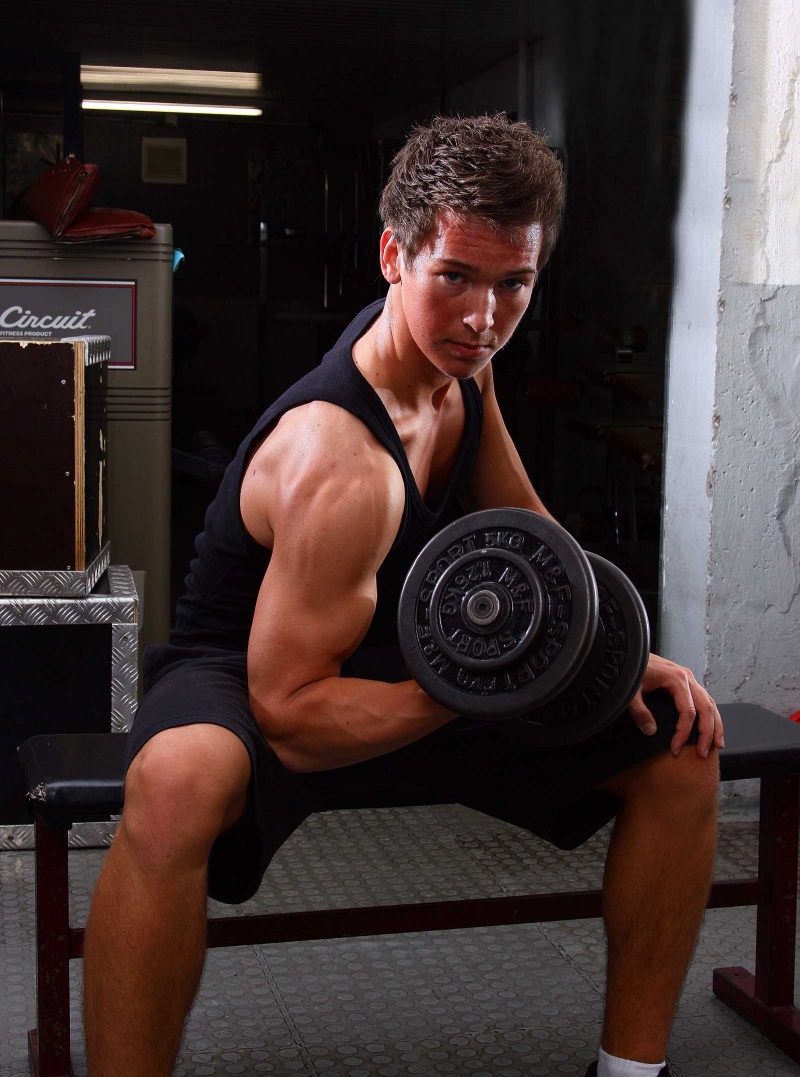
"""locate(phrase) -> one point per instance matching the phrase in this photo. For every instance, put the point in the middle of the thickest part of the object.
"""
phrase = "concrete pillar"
(731, 533)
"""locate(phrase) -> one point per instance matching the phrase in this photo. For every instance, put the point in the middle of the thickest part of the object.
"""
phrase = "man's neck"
(390, 360)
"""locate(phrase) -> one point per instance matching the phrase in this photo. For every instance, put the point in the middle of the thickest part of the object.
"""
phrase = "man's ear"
(391, 257)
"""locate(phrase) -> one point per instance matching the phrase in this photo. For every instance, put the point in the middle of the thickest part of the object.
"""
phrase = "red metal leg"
(766, 999)
(48, 1043)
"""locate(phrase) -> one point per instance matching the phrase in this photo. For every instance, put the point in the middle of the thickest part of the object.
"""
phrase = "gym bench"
(79, 778)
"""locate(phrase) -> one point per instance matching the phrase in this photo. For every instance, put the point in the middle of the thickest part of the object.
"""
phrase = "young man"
(283, 690)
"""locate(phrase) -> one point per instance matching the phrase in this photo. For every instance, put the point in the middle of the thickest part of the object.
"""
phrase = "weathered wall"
(692, 355)
(731, 570)
(754, 562)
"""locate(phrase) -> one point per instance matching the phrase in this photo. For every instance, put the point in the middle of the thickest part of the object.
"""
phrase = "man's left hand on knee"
(692, 701)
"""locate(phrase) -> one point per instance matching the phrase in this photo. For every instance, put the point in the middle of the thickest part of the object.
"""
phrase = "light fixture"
(159, 78)
(170, 106)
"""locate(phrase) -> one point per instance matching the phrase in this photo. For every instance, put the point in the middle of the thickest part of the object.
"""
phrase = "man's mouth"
(472, 348)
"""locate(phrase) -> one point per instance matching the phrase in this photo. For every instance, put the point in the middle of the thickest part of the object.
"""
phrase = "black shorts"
(550, 792)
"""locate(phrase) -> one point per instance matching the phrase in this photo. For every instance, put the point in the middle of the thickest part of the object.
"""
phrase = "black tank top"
(225, 577)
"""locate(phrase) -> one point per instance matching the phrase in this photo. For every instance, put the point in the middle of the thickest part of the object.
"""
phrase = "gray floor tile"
(489, 1002)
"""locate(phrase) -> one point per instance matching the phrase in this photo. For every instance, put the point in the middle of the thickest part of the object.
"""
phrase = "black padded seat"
(758, 743)
(79, 776)
(74, 777)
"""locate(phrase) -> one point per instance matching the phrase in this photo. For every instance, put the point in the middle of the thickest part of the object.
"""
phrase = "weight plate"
(612, 673)
(488, 608)
(497, 613)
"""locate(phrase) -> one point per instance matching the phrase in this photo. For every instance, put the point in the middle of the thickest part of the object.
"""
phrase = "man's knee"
(682, 786)
(184, 788)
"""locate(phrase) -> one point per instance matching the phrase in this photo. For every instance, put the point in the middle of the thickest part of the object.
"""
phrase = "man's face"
(466, 290)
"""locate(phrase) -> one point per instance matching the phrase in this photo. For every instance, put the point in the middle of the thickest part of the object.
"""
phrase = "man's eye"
(512, 284)
(452, 276)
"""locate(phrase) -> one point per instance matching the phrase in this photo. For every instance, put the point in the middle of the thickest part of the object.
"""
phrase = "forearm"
(529, 499)
(500, 479)
(518, 495)
(343, 720)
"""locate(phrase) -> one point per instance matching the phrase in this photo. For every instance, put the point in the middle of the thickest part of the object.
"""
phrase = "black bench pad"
(758, 743)
(80, 776)
(74, 776)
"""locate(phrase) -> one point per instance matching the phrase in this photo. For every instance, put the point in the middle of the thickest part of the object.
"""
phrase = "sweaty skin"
(327, 499)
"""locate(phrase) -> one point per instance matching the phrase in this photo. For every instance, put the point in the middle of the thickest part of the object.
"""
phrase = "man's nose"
(480, 316)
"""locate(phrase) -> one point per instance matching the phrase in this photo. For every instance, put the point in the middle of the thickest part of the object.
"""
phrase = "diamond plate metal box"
(53, 443)
(66, 665)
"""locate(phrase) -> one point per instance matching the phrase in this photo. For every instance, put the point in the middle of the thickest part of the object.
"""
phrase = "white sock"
(611, 1066)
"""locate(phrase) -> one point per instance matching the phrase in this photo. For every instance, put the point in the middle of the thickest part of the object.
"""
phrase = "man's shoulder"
(323, 445)
(321, 430)
(318, 449)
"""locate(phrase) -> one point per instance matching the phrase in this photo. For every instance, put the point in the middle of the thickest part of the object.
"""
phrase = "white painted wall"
(754, 563)
(692, 354)
(731, 564)
(764, 151)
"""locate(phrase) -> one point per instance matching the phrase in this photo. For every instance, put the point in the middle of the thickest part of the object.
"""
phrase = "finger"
(706, 726)
(718, 736)
(709, 722)
(641, 715)
(719, 730)
(687, 713)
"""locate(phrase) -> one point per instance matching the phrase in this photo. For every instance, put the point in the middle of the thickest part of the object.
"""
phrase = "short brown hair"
(485, 166)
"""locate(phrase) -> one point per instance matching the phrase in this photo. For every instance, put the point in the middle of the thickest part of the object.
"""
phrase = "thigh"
(185, 787)
(185, 687)
(488, 766)
(561, 794)
(199, 771)
(184, 700)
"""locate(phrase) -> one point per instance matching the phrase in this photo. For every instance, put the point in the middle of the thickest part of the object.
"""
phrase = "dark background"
(275, 266)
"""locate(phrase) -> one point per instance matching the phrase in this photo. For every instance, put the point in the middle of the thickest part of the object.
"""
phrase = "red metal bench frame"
(765, 997)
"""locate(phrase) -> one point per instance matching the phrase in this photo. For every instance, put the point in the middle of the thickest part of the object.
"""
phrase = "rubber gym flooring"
(489, 1002)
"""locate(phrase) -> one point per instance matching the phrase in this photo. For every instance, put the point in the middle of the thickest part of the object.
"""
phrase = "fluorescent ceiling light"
(170, 106)
(174, 77)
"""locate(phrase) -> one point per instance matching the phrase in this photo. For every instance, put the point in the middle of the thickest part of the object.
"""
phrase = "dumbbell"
(503, 615)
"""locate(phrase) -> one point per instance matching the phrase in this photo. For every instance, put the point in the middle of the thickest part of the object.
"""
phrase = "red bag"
(59, 196)
(101, 223)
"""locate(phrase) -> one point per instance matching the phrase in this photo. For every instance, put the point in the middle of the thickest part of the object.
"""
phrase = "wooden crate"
(53, 465)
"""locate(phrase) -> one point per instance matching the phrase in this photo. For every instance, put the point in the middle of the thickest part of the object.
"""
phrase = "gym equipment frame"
(78, 777)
